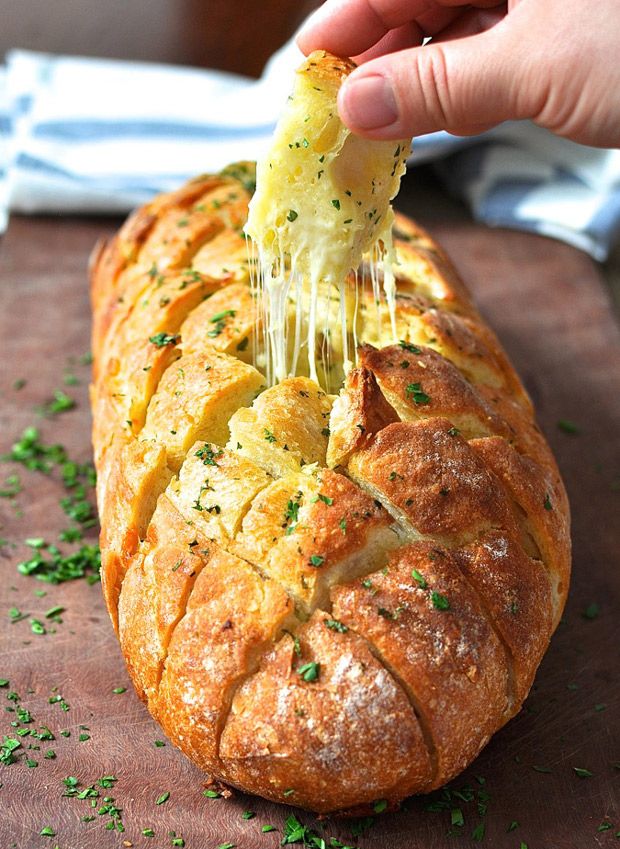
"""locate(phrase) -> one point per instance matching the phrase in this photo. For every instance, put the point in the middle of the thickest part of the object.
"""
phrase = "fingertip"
(304, 41)
(368, 106)
(311, 33)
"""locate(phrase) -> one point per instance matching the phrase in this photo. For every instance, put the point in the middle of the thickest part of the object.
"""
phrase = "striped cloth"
(103, 136)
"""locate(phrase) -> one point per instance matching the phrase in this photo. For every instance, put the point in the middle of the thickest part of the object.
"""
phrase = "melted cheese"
(322, 202)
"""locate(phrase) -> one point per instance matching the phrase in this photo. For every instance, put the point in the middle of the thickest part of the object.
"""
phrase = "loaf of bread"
(324, 599)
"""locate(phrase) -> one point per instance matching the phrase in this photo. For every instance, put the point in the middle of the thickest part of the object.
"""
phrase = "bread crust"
(325, 601)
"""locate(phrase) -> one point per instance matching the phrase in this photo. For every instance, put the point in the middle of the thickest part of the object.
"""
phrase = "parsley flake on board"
(568, 427)
(582, 773)
(592, 611)
(58, 568)
(60, 403)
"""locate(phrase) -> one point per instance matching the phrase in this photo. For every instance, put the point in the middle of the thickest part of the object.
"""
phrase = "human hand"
(553, 61)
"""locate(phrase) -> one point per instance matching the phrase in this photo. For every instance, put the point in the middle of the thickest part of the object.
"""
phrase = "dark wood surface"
(548, 304)
(234, 35)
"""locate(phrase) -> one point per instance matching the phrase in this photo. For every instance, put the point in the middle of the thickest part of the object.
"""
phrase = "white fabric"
(102, 136)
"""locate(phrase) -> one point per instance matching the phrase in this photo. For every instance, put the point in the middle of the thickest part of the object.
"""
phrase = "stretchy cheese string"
(322, 202)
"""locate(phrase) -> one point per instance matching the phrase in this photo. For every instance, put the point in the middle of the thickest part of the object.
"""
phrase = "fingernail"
(368, 103)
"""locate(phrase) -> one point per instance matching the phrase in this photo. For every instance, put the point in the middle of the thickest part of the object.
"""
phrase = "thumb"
(463, 86)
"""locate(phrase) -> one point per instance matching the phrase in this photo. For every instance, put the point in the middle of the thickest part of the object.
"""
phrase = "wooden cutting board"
(550, 308)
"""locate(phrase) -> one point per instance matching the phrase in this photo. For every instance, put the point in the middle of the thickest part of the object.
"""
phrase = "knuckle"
(431, 79)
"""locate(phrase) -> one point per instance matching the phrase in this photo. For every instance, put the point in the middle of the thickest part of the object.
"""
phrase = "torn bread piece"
(322, 201)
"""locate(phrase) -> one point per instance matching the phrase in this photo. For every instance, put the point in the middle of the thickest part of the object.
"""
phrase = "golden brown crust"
(420, 577)
(340, 733)
(233, 616)
(428, 626)
(435, 484)
(326, 68)
(358, 414)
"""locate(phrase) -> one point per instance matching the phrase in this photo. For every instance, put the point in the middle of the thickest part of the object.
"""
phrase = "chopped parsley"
(161, 340)
(569, 427)
(408, 346)
(212, 794)
(291, 514)
(292, 215)
(58, 568)
(388, 614)
(208, 455)
(457, 818)
(269, 437)
(582, 773)
(60, 403)
(417, 394)
(316, 560)
(440, 601)
(592, 611)
(309, 671)
(478, 832)
(336, 625)
(419, 579)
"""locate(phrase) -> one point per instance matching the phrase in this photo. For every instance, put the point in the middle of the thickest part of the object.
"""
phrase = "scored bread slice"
(330, 595)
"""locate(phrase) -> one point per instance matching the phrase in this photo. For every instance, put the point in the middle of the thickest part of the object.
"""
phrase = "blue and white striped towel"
(101, 136)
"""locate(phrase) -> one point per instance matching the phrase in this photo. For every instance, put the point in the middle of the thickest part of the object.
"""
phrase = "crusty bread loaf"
(323, 601)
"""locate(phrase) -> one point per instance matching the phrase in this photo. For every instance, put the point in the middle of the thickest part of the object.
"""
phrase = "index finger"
(350, 27)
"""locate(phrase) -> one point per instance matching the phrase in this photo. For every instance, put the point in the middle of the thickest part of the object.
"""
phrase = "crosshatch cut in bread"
(333, 576)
